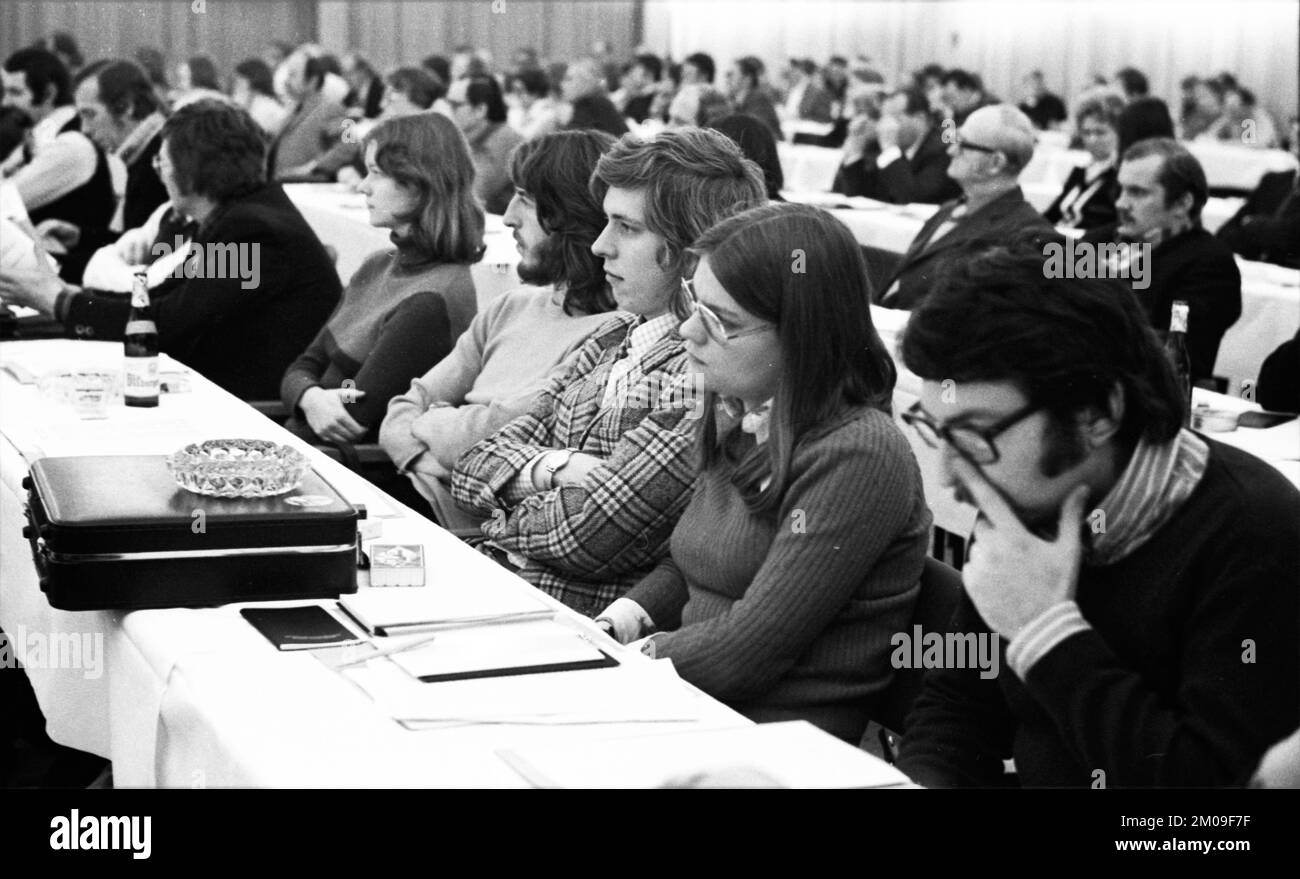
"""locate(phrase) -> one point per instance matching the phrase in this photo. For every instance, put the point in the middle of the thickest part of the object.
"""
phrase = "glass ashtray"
(238, 468)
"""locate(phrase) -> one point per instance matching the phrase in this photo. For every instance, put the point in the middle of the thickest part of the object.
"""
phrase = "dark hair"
(1107, 107)
(421, 87)
(534, 82)
(259, 76)
(1133, 81)
(554, 170)
(704, 64)
(929, 71)
(804, 65)
(1141, 119)
(439, 65)
(759, 146)
(314, 70)
(914, 100)
(14, 125)
(427, 153)
(1180, 172)
(484, 90)
(64, 43)
(1064, 343)
(1215, 86)
(154, 64)
(216, 150)
(832, 357)
(203, 73)
(691, 177)
(651, 63)
(125, 89)
(44, 73)
(751, 68)
(963, 79)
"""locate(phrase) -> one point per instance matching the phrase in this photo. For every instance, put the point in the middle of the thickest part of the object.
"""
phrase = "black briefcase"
(118, 532)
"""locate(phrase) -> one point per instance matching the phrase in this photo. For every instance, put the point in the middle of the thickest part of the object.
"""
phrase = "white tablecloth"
(339, 218)
(198, 698)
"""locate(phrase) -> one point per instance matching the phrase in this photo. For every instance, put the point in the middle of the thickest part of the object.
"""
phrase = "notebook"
(299, 628)
(402, 611)
(521, 648)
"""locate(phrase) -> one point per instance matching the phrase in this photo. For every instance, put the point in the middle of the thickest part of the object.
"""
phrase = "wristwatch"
(555, 461)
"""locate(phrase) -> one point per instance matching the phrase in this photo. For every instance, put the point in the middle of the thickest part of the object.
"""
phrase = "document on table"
(389, 611)
(794, 754)
(523, 648)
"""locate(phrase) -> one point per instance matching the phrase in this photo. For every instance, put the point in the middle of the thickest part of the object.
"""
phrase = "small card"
(300, 628)
(396, 564)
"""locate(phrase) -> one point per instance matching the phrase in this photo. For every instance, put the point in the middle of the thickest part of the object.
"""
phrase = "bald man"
(987, 153)
(584, 88)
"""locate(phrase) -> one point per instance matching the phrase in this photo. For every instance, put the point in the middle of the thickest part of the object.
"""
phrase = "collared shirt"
(640, 340)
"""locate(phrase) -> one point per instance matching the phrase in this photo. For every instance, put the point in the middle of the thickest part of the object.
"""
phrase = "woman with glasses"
(800, 552)
(1088, 198)
(405, 307)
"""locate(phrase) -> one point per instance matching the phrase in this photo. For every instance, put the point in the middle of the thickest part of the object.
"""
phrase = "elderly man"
(1162, 191)
(584, 89)
(987, 154)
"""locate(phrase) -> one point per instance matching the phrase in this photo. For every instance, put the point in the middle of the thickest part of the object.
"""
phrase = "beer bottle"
(141, 345)
(1176, 351)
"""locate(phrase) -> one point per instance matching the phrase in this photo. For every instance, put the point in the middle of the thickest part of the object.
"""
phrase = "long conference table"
(198, 698)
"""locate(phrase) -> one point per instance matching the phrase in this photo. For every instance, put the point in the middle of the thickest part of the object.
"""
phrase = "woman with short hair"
(800, 552)
(413, 302)
(1088, 198)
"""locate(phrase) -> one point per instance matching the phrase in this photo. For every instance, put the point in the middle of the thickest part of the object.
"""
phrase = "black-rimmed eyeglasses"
(975, 443)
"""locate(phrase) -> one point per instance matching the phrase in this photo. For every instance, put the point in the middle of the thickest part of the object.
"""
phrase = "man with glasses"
(1140, 577)
(583, 491)
(987, 154)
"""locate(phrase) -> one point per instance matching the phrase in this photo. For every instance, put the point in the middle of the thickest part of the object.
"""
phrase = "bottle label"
(141, 327)
(141, 377)
(1178, 318)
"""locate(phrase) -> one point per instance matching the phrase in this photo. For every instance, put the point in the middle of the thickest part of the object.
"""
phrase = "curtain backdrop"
(1069, 40)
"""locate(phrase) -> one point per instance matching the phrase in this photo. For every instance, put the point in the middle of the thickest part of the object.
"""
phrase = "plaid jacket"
(587, 545)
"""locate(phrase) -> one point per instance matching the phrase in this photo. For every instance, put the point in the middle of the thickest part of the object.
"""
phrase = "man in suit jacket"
(1162, 191)
(807, 97)
(584, 88)
(314, 124)
(912, 165)
(1268, 225)
(257, 284)
(989, 151)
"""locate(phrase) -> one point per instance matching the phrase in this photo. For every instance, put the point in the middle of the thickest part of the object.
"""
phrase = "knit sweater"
(1186, 675)
(788, 614)
(368, 317)
(493, 374)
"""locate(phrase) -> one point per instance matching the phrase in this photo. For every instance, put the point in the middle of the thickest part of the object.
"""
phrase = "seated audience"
(756, 142)
(1162, 191)
(258, 284)
(963, 94)
(1207, 109)
(314, 123)
(1268, 234)
(1044, 109)
(698, 69)
(408, 90)
(480, 110)
(254, 90)
(748, 95)
(1119, 559)
(807, 98)
(1278, 389)
(639, 84)
(538, 113)
(64, 176)
(120, 112)
(1132, 82)
(584, 89)
(778, 622)
(989, 151)
(584, 490)
(499, 366)
(1242, 122)
(365, 87)
(1088, 198)
(698, 105)
(912, 165)
(1142, 119)
(403, 309)
(196, 79)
